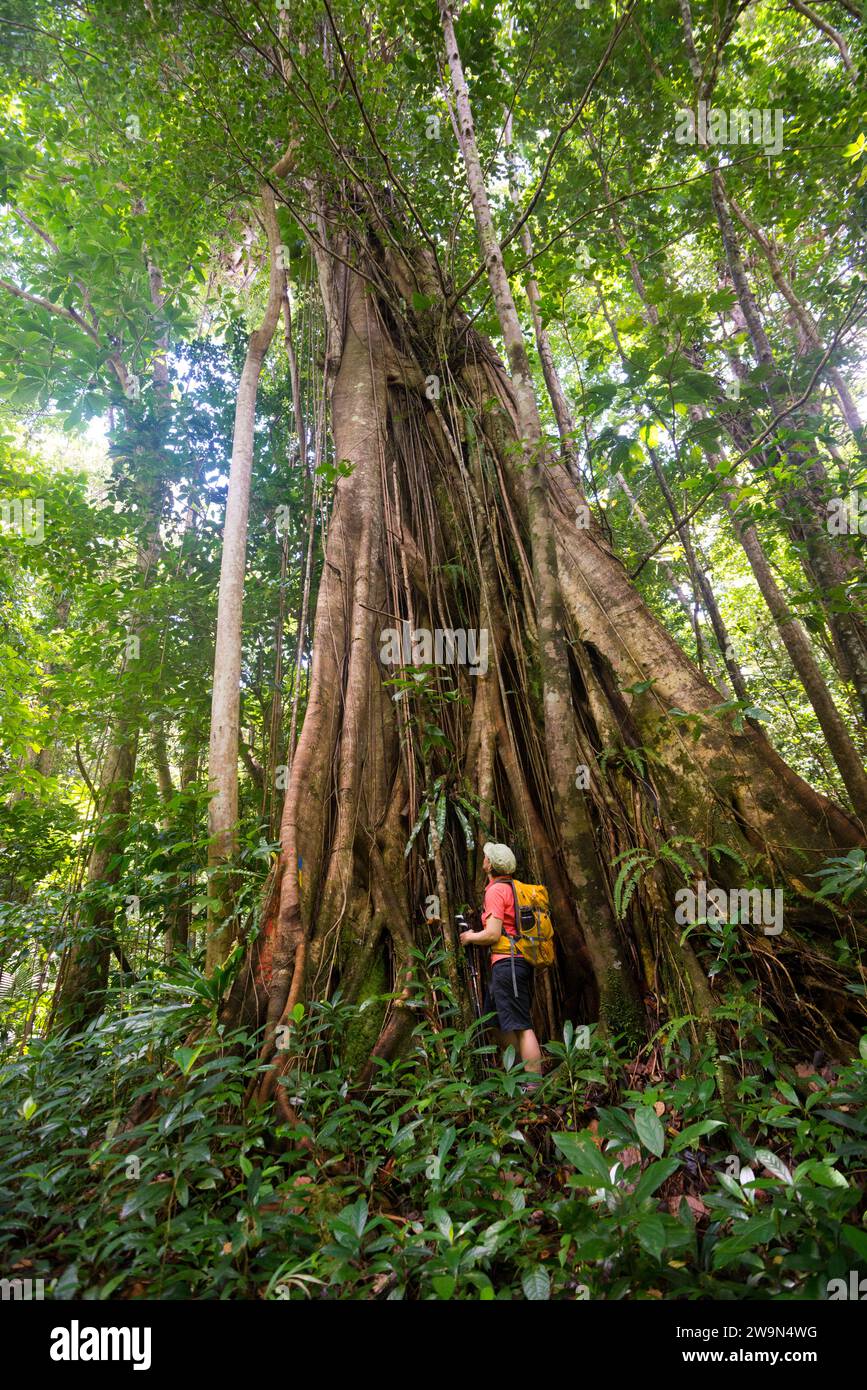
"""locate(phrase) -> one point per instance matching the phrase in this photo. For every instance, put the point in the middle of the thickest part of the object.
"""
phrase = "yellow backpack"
(535, 930)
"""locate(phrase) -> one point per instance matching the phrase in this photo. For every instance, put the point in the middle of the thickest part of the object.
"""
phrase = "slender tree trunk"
(553, 384)
(798, 646)
(226, 697)
(795, 640)
(42, 759)
(177, 914)
(830, 32)
(803, 317)
(677, 588)
(830, 567)
(83, 974)
(807, 523)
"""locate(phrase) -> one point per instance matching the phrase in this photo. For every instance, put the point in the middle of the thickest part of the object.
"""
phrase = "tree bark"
(226, 696)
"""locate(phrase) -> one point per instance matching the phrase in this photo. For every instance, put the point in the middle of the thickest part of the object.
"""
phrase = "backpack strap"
(506, 932)
(512, 946)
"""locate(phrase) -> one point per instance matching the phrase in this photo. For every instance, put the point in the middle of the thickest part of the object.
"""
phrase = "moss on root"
(366, 1025)
(620, 1012)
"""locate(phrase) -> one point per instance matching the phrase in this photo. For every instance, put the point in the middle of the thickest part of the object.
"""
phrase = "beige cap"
(501, 858)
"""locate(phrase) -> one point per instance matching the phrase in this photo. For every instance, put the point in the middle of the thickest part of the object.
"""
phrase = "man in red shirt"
(510, 992)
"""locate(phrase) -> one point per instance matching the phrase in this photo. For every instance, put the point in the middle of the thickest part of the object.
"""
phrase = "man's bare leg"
(526, 1046)
(531, 1052)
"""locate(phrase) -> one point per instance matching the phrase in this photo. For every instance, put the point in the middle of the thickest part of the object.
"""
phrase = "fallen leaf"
(696, 1205)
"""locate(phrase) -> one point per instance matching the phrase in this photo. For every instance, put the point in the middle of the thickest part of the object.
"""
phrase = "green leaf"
(826, 1176)
(443, 1223)
(583, 1155)
(685, 1138)
(355, 1216)
(185, 1057)
(444, 1285)
(441, 817)
(468, 834)
(654, 1175)
(425, 812)
(856, 1238)
(649, 1128)
(774, 1165)
(536, 1284)
(67, 1285)
(651, 1234)
(752, 1233)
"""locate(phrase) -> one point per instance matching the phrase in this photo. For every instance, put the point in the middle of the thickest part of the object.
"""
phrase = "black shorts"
(513, 1015)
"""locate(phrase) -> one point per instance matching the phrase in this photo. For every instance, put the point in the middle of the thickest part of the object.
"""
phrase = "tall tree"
(226, 696)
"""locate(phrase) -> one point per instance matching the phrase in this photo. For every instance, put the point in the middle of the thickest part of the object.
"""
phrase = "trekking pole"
(472, 965)
(475, 981)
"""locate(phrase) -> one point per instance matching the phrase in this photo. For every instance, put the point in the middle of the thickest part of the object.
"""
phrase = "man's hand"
(491, 932)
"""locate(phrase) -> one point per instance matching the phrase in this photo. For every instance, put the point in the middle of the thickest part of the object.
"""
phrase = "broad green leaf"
(649, 1128)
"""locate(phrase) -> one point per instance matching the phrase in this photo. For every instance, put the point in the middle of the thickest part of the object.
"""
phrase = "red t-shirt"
(499, 902)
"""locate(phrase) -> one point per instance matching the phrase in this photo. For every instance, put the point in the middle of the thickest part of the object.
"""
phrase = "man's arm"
(487, 936)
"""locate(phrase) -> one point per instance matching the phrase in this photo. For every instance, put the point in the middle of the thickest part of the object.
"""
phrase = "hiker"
(510, 990)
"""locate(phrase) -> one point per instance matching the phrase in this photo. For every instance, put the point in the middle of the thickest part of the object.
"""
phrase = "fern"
(716, 850)
(636, 862)
(668, 853)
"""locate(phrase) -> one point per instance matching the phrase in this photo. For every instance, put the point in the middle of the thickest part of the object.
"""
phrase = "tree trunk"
(803, 317)
(794, 638)
(435, 471)
(804, 509)
(83, 974)
(226, 696)
(798, 646)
